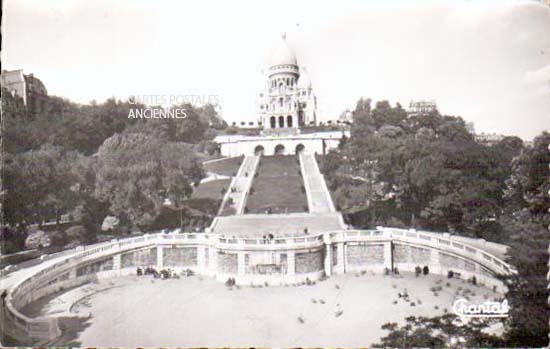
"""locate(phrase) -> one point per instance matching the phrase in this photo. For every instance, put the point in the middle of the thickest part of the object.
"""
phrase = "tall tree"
(137, 172)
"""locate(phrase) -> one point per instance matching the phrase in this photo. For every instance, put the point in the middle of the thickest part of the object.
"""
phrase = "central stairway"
(276, 186)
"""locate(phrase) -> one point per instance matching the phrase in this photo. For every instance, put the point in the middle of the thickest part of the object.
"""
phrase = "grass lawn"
(211, 190)
(278, 186)
(225, 167)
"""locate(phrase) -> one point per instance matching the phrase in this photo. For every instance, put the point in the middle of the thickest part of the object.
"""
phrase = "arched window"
(273, 122)
(281, 121)
(289, 121)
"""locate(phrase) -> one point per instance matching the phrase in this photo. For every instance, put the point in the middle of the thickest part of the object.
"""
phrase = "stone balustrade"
(279, 261)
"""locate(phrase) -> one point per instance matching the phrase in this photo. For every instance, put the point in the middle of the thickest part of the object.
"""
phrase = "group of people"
(157, 274)
(230, 282)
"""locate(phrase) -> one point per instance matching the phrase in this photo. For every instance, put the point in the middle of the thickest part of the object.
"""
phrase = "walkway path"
(318, 196)
(240, 184)
(292, 224)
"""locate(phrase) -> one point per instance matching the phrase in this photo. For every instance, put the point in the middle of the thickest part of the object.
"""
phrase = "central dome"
(282, 54)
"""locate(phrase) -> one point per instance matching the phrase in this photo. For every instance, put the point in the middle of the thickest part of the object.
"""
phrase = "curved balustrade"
(296, 258)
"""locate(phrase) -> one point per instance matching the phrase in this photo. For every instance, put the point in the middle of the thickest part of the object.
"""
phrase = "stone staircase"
(241, 183)
(318, 196)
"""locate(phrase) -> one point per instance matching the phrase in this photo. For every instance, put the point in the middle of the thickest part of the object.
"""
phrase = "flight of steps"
(241, 182)
(319, 199)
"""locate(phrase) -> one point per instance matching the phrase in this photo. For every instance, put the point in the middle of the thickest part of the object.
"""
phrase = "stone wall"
(309, 262)
(277, 265)
(455, 263)
(304, 257)
(411, 254)
(139, 258)
(179, 257)
(95, 267)
(365, 254)
(227, 262)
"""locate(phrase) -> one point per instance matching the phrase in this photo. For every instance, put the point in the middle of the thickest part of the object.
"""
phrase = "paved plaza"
(196, 312)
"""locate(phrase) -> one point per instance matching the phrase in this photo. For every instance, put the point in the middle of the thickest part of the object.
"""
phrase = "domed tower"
(281, 103)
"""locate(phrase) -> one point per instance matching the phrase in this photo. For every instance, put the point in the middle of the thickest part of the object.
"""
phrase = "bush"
(76, 233)
(58, 238)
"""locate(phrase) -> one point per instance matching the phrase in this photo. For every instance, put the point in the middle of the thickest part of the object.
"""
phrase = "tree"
(137, 172)
(528, 253)
(46, 193)
(445, 331)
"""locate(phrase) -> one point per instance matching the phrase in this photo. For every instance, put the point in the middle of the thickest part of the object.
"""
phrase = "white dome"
(282, 54)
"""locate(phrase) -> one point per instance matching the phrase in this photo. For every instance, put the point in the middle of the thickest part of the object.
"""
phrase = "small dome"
(282, 54)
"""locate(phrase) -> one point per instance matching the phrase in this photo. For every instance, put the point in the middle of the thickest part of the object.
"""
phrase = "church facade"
(287, 100)
(287, 113)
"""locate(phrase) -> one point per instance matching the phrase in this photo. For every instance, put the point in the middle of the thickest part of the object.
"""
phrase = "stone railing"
(53, 275)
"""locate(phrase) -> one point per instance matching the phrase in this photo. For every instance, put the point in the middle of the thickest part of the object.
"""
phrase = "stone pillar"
(435, 267)
(340, 257)
(72, 272)
(117, 263)
(328, 254)
(212, 260)
(160, 257)
(241, 267)
(291, 263)
(328, 259)
(201, 258)
(388, 255)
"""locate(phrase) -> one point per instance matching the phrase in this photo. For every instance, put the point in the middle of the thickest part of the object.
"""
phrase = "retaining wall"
(276, 261)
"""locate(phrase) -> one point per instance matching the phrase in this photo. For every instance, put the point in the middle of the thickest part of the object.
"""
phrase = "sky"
(486, 61)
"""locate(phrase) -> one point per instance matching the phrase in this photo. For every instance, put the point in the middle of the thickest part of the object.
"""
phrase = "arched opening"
(289, 121)
(259, 150)
(281, 121)
(280, 149)
(300, 148)
(273, 122)
(301, 121)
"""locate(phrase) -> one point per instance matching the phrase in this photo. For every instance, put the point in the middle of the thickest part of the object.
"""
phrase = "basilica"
(287, 100)
(287, 114)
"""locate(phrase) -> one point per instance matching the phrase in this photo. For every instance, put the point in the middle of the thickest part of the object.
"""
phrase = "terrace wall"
(293, 260)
